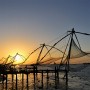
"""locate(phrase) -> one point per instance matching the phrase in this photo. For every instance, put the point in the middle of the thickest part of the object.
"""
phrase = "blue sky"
(24, 24)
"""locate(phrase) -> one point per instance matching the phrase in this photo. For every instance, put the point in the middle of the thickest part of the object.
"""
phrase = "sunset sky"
(25, 24)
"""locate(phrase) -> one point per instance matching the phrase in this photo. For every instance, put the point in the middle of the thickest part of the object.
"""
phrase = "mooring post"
(42, 78)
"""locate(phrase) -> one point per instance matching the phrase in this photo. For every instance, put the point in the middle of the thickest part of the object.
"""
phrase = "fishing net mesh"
(77, 55)
(76, 52)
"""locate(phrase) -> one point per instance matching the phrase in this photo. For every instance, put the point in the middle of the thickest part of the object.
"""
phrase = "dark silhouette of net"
(76, 52)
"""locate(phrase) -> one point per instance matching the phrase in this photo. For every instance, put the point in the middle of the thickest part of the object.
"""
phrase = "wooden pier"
(35, 72)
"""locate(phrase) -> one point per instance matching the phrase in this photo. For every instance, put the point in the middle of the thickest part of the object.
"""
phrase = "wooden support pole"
(66, 78)
(12, 81)
(55, 78)
(34, 76)
(16, 81)
(27, 80)
(6, 80)
(36, 70)
(55, 74)
(47, 78)
(22, 77)
(42, 78)
(22, 81)
(3, 79)
(12, 78)
(58, 76)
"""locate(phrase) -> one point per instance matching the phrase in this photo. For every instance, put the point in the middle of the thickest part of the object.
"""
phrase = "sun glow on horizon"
(18, 59)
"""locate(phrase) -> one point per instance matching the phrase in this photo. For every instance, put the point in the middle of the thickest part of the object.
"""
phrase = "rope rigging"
(72, 50)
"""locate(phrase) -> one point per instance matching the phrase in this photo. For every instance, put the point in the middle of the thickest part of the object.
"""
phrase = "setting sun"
(18, 59)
